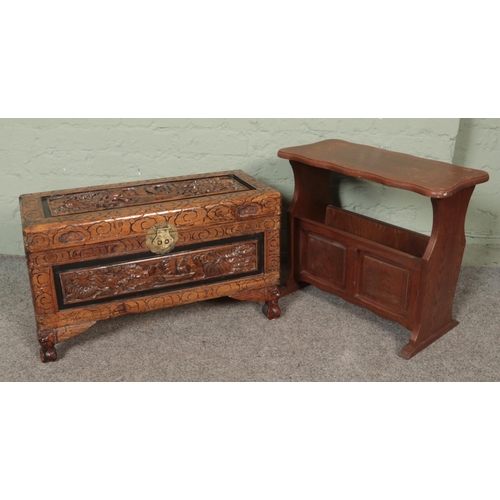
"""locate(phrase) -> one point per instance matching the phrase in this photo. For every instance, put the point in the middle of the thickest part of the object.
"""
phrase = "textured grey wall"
(478, 146)
(38, 155)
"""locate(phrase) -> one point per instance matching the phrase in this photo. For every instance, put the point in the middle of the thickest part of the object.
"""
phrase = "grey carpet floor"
(318, 338)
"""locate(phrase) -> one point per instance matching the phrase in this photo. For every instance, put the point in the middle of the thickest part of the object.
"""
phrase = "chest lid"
(105, 213)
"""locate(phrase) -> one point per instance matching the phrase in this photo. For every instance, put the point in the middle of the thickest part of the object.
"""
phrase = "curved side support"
(310, 198)
(439, 274)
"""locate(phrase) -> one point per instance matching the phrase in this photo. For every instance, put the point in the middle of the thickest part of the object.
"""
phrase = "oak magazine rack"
(396, 273)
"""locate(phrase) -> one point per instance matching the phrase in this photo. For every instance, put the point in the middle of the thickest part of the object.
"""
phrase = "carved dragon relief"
(106, 282)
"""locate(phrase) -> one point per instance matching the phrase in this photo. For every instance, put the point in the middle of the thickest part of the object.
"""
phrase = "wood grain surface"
(431, 178)
(396, 273)
(88, 258)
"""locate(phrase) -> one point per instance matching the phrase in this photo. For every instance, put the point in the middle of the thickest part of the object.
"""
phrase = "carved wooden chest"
(105, 251)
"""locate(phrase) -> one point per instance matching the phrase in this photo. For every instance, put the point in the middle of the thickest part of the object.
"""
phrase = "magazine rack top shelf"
(434, 179)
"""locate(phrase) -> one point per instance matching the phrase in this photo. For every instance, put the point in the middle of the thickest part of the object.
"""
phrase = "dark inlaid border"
(144, 256)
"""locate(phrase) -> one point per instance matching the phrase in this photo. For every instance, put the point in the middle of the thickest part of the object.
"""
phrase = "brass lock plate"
(162, 238)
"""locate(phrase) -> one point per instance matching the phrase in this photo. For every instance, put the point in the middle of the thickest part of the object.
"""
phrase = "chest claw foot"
(271, 309)
(47, 340)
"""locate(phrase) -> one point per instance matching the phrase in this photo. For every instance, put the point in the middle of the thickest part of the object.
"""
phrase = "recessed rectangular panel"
(140, 194)
(383, 282)
(326, 260)
(100, 281)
